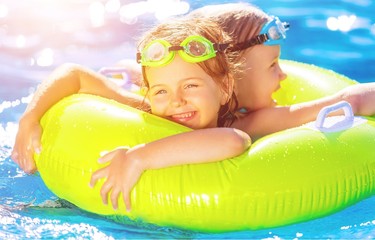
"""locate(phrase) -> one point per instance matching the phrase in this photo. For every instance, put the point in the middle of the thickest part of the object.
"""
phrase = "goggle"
(272, 33)
(193, 49)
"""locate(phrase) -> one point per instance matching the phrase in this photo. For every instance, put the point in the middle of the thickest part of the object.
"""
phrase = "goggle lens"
(155, 52)
(196, 49)
(274, 34)
(275, 30)
(193, 49)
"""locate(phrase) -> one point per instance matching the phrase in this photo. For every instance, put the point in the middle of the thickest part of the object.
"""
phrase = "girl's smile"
(183, 117)
(184, 93)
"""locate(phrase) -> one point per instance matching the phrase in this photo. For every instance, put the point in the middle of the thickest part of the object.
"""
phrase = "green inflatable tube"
(288, 177)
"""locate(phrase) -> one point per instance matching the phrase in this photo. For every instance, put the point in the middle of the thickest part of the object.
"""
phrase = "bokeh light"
(161, 9)
(342, 23)
(112, 6)
(45, 58)
(3, 10)
(97, 14)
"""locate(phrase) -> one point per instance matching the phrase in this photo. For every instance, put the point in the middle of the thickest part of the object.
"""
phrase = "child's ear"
(144, 91)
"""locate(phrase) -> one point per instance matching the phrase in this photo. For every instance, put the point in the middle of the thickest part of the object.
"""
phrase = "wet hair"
(221, 68)
(242, 21)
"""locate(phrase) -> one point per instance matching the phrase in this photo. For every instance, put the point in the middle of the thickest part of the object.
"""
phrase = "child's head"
(260, 73)
(187, 75)
(241, 21)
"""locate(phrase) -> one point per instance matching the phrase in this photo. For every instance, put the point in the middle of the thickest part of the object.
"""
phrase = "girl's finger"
(106, 188)
(102, 153)
(35, 141)
(106, 157)
(101, 173)
(15, 156)
(27, 162)
(36, 145)
(114, 197)
(126, 197)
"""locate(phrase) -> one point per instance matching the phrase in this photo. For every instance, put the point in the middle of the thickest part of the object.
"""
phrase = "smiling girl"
(187, 79)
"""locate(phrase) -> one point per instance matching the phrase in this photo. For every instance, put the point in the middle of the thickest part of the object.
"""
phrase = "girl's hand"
(26, 144)
(121, 175)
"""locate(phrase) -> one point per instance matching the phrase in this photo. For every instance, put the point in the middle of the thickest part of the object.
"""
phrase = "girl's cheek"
(158, 106)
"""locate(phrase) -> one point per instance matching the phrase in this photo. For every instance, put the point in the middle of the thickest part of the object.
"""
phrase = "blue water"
(38, 35)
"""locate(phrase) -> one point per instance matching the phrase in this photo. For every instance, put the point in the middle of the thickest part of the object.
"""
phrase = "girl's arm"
(269, 120)
(64, 81)
(199, 146)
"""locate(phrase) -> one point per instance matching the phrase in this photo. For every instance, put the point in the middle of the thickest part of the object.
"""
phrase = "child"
(188, 80)
(261, 73)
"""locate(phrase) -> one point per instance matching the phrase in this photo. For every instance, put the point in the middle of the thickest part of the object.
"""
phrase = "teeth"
(183, 115)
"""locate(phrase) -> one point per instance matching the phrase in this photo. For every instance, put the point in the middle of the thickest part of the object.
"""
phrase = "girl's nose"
(178, 100)
(282, 74)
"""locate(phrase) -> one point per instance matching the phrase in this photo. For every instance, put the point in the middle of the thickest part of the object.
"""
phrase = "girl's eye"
(162, 91)
(191, 86)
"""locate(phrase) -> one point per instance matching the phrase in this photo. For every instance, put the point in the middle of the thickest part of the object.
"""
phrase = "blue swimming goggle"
(272, 33)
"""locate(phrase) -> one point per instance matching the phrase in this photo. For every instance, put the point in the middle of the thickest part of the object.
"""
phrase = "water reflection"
(342, 23)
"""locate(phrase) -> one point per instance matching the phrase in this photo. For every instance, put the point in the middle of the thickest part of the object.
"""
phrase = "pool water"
(38, 35)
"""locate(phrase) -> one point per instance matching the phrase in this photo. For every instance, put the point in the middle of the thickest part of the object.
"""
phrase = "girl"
(188, 79)
(261, 73)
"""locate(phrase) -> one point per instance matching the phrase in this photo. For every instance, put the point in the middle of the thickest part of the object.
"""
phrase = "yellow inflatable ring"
(287, 177)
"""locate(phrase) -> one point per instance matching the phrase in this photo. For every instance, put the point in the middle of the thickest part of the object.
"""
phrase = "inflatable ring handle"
(343, 124)
(115, 71)
(112, 70)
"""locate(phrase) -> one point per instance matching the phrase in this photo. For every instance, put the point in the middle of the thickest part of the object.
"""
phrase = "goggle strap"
(138, 57)
(260, 39)
(175, 48)
(220, 47)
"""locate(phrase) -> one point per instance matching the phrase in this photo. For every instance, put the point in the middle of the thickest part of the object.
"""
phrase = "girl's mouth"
(183, 117)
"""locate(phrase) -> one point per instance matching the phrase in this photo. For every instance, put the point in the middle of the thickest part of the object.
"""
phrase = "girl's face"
(182, 92)
(261, 77)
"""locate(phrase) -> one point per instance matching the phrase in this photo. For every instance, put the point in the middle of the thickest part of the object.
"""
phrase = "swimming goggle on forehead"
(193, 49)
(272, 33)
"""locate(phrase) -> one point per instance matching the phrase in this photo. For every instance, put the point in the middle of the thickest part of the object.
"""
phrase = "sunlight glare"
(161, 9)
(45, 58)
(3, 10)
(112, 6)
(129, 13)
(372, 29)
(97, 11)
(172, 9)
(20, 41)
(342, 23)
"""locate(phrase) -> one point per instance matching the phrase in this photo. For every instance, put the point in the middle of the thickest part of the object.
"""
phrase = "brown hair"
(220, 68)
(242, 21)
